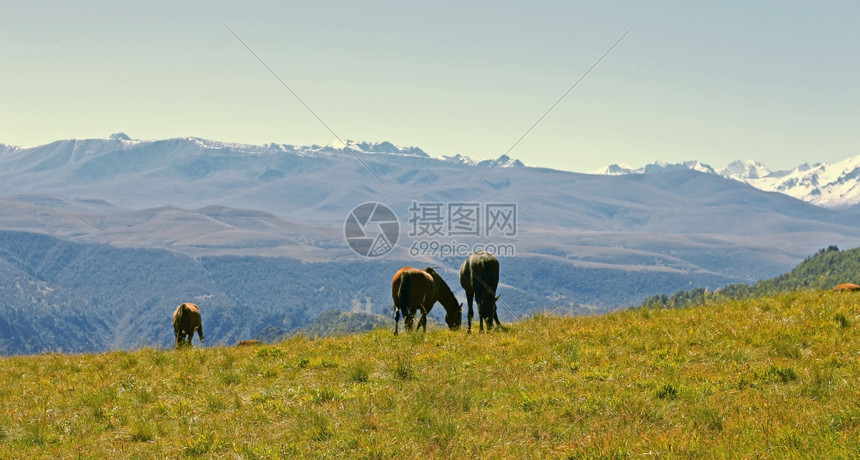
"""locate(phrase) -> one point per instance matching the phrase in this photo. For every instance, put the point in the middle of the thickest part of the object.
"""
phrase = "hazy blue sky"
(714, 81)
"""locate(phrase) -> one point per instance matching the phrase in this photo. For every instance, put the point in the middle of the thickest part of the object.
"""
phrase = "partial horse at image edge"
(846, 287)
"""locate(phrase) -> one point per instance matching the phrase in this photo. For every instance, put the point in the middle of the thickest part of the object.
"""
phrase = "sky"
(710, 81)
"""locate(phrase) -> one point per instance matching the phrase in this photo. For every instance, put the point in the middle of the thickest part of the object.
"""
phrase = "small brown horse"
(415, 290)
(186, 319)
(479, 277)
(846, 287)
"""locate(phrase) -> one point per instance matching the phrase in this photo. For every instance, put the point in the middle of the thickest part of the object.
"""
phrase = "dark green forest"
(824, 270)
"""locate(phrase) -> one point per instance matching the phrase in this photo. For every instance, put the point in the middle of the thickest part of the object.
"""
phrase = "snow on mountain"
(654, 168)
(374, 147)
(460, 159)
(502, 162)
(618, 170)
(826, 185)
(7, 150)
(744, 170)
(822, 184)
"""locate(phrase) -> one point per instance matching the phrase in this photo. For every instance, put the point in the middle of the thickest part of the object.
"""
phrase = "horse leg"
(423, 321)
(469, 298)
(482, 312)
(396, 319)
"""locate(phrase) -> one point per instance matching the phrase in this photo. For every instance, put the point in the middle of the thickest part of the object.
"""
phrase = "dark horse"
(186, 319)
(479, 276)
(416, 290)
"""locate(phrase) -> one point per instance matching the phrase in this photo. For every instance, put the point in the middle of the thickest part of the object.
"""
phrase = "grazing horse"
(416, 290)
(479, 277)
(248, 343)
(186, 319)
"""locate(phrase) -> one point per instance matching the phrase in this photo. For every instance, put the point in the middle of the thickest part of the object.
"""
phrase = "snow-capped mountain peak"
(822, 184)
(618, 170)
(374, 147)
(653, 168)
(743, 170)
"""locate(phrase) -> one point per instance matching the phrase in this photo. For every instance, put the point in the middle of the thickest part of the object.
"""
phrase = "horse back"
(480, 272)
(396, 282)
(186, 317)
(411, 287)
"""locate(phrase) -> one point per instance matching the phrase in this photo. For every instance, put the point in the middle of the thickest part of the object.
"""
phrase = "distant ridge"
(834, 185)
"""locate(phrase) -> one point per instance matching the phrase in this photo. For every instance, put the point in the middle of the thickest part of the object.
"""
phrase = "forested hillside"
(824, 270)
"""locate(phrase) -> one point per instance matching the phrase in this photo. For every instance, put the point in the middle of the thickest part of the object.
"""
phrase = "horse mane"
(442, 288)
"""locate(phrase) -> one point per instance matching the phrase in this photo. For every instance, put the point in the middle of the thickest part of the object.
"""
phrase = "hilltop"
(767, 377)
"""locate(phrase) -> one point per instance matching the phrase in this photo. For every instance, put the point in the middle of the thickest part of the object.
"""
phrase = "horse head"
(454, 318)
(409, 321)
(444, 295)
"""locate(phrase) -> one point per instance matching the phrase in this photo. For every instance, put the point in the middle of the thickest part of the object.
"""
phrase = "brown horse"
(186, 319)
(415, 290)
(479, 277)
(846, 287)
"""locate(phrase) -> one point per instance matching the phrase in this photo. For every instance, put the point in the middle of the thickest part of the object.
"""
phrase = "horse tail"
(177, 321)
(403, 293)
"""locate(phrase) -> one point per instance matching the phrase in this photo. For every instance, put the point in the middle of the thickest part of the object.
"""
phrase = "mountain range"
(255, 235)
(834, 185)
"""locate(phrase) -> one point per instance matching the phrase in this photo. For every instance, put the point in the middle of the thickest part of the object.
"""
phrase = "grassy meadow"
(773, 377)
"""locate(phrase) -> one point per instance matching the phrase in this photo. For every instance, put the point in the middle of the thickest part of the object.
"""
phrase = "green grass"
(759, 378)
